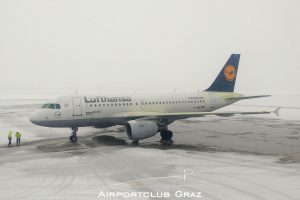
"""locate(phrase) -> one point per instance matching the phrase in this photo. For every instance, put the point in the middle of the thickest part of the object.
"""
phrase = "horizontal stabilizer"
(248, 97)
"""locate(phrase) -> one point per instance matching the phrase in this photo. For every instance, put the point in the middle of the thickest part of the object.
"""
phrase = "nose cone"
(36, 118)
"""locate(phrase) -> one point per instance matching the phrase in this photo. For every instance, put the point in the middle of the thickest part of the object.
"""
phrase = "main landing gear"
(73, 137)
(135, 142)
(166, 137)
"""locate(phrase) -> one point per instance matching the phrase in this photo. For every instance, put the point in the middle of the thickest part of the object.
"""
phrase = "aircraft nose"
(35, 117)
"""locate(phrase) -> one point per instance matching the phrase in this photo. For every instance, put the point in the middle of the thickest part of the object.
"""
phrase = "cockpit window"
(51, 106)
(45, 106)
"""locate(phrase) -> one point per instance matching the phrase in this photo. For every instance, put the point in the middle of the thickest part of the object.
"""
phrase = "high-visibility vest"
(18, 135)
(10, 134)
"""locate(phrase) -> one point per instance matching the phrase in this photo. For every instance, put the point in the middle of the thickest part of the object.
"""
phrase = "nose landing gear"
(73, 137)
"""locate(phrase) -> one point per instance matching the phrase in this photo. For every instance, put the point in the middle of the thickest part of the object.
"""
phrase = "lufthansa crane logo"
(230, 72)
(57, 114)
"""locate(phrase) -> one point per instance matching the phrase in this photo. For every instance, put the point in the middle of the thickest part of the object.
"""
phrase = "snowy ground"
(241, 157)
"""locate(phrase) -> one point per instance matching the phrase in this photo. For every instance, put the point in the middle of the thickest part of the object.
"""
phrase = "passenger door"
(77, 107)
(213, 102)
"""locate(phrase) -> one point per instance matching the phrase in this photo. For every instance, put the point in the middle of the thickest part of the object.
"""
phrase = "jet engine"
(137, 130)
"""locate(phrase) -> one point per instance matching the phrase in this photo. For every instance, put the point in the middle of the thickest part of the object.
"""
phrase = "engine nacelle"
(137, 130)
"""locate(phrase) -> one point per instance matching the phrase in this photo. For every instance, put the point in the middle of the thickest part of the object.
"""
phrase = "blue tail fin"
(225, 81)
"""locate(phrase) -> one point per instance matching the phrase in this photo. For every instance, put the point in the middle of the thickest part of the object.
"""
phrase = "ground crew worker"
(9, 137)
(18, 136)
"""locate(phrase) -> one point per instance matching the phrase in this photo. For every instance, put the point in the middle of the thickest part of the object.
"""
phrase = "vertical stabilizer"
(225, 81)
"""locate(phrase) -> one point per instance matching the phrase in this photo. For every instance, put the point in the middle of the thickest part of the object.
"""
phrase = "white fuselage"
(106, 110)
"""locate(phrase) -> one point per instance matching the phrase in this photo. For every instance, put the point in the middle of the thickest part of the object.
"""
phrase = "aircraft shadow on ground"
(108, 140)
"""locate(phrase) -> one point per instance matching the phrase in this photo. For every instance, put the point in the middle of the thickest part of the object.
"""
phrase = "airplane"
(144, 116)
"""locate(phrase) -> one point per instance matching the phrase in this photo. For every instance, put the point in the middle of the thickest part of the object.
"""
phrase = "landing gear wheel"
(166, 137)
(135, 142)
(167, 142)
(73, 138)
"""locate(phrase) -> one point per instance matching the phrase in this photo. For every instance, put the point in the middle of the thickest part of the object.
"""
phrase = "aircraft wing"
(181, 115)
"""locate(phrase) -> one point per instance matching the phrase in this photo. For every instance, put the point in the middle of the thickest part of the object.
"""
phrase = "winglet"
(276, 112)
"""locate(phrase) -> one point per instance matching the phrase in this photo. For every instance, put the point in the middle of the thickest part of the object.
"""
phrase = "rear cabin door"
(213, 102)
(77, 107)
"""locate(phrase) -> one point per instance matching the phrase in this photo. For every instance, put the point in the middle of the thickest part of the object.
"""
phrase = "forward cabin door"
(77, 107)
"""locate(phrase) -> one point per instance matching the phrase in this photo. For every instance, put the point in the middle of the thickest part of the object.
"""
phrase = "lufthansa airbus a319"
(144, 116)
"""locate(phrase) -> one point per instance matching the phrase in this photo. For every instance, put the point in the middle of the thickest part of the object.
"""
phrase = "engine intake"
(137, 130)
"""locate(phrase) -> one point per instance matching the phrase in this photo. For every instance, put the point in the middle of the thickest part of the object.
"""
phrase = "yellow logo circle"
(230, 72)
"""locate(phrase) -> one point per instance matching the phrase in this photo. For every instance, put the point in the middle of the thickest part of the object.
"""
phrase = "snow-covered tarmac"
(240, 157)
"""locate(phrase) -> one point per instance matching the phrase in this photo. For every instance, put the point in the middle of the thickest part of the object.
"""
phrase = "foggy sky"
(159, 44)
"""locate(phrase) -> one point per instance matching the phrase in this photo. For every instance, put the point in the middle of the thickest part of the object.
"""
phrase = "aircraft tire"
(166, 135)
(135, 142)
(73, 138)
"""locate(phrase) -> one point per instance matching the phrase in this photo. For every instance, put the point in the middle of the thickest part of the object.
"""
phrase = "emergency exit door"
(142, 104)
(77, 107)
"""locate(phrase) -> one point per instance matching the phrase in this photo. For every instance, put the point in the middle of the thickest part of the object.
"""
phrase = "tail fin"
(225, 81)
